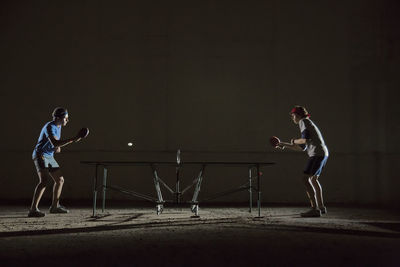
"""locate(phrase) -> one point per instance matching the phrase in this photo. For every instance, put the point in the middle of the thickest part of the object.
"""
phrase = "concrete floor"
(228, 236)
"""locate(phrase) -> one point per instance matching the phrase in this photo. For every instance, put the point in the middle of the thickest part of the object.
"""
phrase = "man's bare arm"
(293, 145)
(300, 141)
(61, 143)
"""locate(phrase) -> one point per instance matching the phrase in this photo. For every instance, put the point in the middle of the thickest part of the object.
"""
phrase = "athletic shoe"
(311, 213)
(323, 210)
(59, 209)
(36, 213)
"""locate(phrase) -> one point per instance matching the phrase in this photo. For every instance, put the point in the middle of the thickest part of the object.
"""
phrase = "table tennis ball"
(130, 144)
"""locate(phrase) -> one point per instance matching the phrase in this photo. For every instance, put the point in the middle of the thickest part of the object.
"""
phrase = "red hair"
(301, 111)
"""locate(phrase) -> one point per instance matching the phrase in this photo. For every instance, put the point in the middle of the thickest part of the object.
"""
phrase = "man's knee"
(44, 178)
(306, 179)
(314, 178)
(59, 180)
(57, 177)
(42, 184)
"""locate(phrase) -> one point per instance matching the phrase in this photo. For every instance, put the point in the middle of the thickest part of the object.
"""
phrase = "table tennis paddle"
(274, 141)
(83, 132)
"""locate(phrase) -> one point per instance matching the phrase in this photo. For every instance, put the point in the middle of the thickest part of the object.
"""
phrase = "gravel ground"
(221, 236)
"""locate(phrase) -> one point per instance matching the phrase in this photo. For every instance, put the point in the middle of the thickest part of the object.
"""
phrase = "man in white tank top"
(311, 141)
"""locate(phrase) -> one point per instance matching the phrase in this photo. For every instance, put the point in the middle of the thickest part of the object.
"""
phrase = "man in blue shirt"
(313, 143)
(47, 167)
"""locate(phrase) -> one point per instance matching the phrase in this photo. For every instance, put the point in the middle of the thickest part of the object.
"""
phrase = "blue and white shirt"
(315, 145)
(44, 147)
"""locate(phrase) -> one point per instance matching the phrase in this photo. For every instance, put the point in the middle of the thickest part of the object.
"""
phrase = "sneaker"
(36, 213)
(59, 209)
(311, 213)
(323, 210)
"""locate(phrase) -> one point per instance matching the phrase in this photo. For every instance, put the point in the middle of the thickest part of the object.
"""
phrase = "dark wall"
(211, 76)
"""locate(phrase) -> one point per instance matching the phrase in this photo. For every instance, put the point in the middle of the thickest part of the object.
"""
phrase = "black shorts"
(315, 165)
(46, 162)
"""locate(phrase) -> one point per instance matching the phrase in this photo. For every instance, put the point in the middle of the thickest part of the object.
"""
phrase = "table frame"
(252, 166)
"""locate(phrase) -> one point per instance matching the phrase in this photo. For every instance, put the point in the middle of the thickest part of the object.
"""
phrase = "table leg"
(259, 191)
(177, 186)
(250, 191)
(160, 202)
(104, 187)
(94, 191)
(195, 204)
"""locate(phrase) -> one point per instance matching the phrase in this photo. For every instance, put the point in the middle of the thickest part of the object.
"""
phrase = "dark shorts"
(315, 165)
(46, 162)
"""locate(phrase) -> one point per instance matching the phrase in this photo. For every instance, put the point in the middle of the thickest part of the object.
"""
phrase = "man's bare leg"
(310, 190)
(318, 191)
(314, 212)
(57, 188)
(40, 188)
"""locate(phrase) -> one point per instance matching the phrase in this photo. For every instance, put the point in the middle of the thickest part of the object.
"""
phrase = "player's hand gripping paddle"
(83, 133)
(274, 141)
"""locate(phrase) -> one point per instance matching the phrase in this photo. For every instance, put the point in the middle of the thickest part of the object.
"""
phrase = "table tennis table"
(253, 169)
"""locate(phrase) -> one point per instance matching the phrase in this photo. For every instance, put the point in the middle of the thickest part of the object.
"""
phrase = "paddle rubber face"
(83, 132)
(274, 141)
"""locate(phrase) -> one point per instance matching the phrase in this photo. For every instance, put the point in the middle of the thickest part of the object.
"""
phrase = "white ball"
(130, 144)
